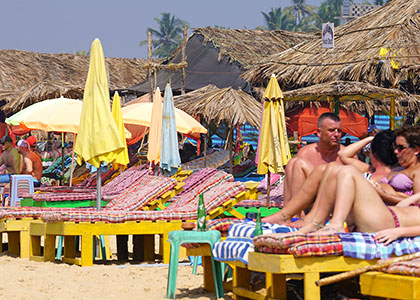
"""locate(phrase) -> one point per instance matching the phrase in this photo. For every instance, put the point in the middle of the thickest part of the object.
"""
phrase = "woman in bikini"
(355, 200)
(381, 155)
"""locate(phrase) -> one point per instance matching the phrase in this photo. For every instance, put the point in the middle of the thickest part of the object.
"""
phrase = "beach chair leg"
(240, 280)
(49, 247)
(103, 247)
(87, 250)
(166, 248)
(217, 278)
(310, 289)
(276, 286)
(208, 279)
(195, 264)
(59, 247)
(172, 272)
(24, 243)
(35, 246)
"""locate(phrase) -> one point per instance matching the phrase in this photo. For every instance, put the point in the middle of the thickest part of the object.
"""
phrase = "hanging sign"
(328, 35)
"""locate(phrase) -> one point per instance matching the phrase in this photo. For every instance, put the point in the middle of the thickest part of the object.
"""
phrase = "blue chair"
(177, 238)
(20, 184)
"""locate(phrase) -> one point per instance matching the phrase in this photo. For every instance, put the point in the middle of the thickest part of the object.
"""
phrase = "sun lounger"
(135, 222)
(213, 160)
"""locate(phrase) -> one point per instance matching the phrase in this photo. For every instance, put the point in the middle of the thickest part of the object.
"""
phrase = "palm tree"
(328, 11)
(300, 9)
(168, 37)
(276, 19)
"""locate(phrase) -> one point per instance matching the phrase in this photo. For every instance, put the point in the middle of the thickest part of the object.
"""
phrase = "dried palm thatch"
(28, 77)
(221, 105)
(250, 46)
(355, 57)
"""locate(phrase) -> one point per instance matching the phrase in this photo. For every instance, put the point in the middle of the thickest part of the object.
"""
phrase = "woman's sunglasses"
(400, 148)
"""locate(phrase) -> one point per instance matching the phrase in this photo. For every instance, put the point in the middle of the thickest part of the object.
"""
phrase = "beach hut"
(381, 48)
(219, 56)
(29, 77)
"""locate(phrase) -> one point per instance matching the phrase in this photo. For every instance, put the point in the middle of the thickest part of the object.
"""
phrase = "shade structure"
(122, 159)
(140, 114)
(304, 121)
(153, 152)
(59, 115)
(273, 145)
(98, 139)
(169, 153)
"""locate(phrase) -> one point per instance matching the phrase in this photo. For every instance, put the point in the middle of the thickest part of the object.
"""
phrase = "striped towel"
(363, 245)
(239, 244)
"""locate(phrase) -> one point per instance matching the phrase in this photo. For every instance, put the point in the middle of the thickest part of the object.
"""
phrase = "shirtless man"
(32, 164)
(10, 158)
(320, 153)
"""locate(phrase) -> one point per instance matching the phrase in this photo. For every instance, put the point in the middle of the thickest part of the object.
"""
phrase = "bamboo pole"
(149, 58)
(230, 149)
(375, 267)
(392, 111)
(184, 46)
(205, 150)
(267, 204)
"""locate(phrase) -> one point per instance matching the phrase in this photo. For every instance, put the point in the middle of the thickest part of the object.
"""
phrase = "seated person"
(310, 156)
(381, 157)
(33, 145)
(32, 164)
(10, 158)
(352, 198)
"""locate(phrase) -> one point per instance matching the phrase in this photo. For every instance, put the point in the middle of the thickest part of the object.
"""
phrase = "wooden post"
(184, 46)
(230, 149)
(205, 150)
(149, 58)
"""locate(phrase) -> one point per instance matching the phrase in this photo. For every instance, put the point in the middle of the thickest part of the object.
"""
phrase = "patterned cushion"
(410, 267)
(321, 245)
(277, 240)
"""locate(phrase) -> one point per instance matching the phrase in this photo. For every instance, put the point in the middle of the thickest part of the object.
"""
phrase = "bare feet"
(329, 229)
(277, 218)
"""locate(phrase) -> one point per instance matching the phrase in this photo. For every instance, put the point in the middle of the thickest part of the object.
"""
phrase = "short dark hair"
(5, 139)
(411, 134)
(382, 147)
(328, 115)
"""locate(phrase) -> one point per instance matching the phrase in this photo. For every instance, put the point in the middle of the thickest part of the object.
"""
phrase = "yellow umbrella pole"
(98, 188)
(268, 189)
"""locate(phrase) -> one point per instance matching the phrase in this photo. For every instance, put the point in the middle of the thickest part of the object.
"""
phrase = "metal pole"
(149, 58)
(230, 141)
(268, 189)
(98, 188)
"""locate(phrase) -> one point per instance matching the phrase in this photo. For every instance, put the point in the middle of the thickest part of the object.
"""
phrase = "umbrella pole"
(62, 159)
(205, 150)
(98, 188)
(72, 160)
(230, 150)
(268, 189)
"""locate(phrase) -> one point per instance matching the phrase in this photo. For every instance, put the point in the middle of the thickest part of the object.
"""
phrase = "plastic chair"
(20, 184)
(177, 238)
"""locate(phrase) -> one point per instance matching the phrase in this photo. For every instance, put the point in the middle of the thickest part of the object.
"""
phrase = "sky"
(68, 26)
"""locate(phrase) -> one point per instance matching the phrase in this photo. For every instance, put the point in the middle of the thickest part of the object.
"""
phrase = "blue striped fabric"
(238, 244)
(363, 245)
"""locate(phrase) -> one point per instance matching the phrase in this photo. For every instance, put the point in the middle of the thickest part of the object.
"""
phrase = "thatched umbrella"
(29, 77)
(226, 105)
(356, 56)
(352, 91)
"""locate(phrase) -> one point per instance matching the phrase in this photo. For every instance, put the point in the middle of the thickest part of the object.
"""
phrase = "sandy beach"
(24, 279)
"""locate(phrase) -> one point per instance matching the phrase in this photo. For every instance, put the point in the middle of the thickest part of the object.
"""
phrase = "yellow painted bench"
(86, 230)
(277, 266)
(390, 286)
(159, 202)
(17, 231)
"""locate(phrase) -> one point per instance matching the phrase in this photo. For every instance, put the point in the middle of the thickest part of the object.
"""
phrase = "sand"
(24, 279)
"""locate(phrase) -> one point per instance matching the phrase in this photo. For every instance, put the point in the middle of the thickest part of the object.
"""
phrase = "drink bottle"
(258, 225)
(201, 214)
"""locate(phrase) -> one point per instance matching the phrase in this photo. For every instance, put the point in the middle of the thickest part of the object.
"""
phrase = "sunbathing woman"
(382, 158)
(354, 199)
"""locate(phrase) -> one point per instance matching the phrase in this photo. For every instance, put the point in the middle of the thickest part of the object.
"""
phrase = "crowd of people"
(328, 182)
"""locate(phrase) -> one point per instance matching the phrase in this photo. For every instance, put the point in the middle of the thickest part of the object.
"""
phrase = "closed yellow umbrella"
(273, 144)
(122, 159)
(153, 153)
(98, 139)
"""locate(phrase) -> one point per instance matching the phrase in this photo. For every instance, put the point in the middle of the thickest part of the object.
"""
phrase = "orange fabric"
(304, 121)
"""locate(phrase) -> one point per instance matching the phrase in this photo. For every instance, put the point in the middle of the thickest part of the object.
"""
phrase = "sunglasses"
(400, 148)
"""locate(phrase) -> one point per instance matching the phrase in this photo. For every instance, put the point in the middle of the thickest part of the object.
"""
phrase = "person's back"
(32, 164)
(10, 158)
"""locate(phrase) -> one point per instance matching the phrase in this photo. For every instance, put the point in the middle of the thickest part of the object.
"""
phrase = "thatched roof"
(370, 97)
(216, 105)
(356, 56)
(219, 56)
(249, 47)
(28, 77)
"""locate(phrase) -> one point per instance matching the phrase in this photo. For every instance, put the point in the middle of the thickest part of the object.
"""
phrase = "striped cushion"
(409, 267)
(321, 245)
(277, 240)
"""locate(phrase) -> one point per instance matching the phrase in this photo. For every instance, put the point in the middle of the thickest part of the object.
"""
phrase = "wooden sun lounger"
(390, 286)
